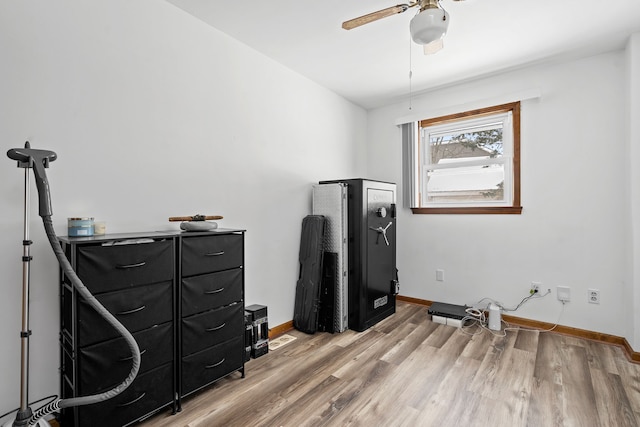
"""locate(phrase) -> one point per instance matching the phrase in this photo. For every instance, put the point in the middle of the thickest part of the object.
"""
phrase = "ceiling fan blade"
(374, 16)
(433, 47)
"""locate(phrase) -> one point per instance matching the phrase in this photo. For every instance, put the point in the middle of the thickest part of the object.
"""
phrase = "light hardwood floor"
(408, 371)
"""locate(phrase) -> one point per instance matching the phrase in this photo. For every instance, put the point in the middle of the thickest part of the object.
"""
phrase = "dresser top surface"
(147, 235)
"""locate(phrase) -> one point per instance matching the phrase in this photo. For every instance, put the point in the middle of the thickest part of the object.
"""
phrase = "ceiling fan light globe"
(429, 25)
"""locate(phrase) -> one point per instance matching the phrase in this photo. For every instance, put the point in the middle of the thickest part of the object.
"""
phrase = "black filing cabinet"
(181, 295)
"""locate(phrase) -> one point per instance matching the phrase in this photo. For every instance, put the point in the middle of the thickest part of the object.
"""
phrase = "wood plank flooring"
(408, 371)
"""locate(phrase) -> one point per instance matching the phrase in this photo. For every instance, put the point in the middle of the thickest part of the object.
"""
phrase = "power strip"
(457, 323)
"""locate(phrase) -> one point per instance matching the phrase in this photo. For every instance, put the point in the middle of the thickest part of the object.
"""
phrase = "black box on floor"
(260, 348)
(256, 311)
(256, 314)
(443, 309)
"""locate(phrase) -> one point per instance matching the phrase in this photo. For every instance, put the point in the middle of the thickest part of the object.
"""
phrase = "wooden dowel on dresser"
(194, 218)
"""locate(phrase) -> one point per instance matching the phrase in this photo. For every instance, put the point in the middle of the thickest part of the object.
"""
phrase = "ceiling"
(371, 65)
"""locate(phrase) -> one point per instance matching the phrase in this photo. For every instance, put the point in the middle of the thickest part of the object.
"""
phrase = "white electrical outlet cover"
(564, 293)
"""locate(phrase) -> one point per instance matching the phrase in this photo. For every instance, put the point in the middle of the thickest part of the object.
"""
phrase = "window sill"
(508, 210)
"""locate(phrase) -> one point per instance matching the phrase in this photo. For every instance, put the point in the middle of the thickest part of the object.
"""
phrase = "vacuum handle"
(42, 183)
(28, 157)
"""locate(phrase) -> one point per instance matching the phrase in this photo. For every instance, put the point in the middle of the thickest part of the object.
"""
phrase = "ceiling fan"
(427, 28)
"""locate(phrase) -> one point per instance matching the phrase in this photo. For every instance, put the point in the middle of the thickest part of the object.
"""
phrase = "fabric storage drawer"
(213, 290)
(211, 327)
(107, 268)
(207, 254)
(147, 393)
(206, 366)
(106, 364)
(136, 308)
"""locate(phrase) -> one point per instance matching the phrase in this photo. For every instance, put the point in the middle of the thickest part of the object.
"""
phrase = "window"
(469, 162)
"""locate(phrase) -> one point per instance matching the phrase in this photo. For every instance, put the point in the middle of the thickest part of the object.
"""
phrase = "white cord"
(479, 319)
(476, 322)
(481, 322)
(503, 308)
(519, 328)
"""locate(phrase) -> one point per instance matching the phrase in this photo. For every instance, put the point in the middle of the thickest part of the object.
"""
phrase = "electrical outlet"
(535, 288)
(440, 275)
(593, 296)
(564, 293)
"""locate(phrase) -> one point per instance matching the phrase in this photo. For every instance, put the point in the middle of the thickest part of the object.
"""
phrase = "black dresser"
(212, 309)
(181, 295)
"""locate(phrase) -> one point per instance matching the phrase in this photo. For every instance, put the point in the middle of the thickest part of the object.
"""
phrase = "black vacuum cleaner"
(39, 160)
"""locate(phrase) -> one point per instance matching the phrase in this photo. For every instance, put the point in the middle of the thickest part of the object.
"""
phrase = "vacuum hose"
(39, 160)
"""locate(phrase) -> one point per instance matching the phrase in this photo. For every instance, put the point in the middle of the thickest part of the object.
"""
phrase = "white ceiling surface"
(370, 65)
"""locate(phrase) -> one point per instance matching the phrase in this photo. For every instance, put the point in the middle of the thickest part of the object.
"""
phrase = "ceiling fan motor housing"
(429, 25)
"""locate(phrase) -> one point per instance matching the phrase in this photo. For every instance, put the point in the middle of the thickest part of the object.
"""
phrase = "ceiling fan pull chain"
(410, 77)
(445, 15)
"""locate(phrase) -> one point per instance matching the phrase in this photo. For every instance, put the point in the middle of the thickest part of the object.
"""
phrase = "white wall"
(633, 113)
(575, 225)
(154, 114)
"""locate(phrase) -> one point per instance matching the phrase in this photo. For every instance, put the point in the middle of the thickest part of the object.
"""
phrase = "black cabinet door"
(380, 249)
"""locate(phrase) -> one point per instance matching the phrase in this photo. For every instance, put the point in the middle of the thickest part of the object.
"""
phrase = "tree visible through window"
(470, 162)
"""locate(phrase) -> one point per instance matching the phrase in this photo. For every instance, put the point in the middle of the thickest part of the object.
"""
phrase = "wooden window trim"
(480, 210)
(515, 208)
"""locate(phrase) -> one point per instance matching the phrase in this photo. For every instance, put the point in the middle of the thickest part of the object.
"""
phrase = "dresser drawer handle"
(215, 364)
(216, 328)
(214, 253)
(124, 267)
(135, 310)
(121, 405)
(216, 291)
(124, 359)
